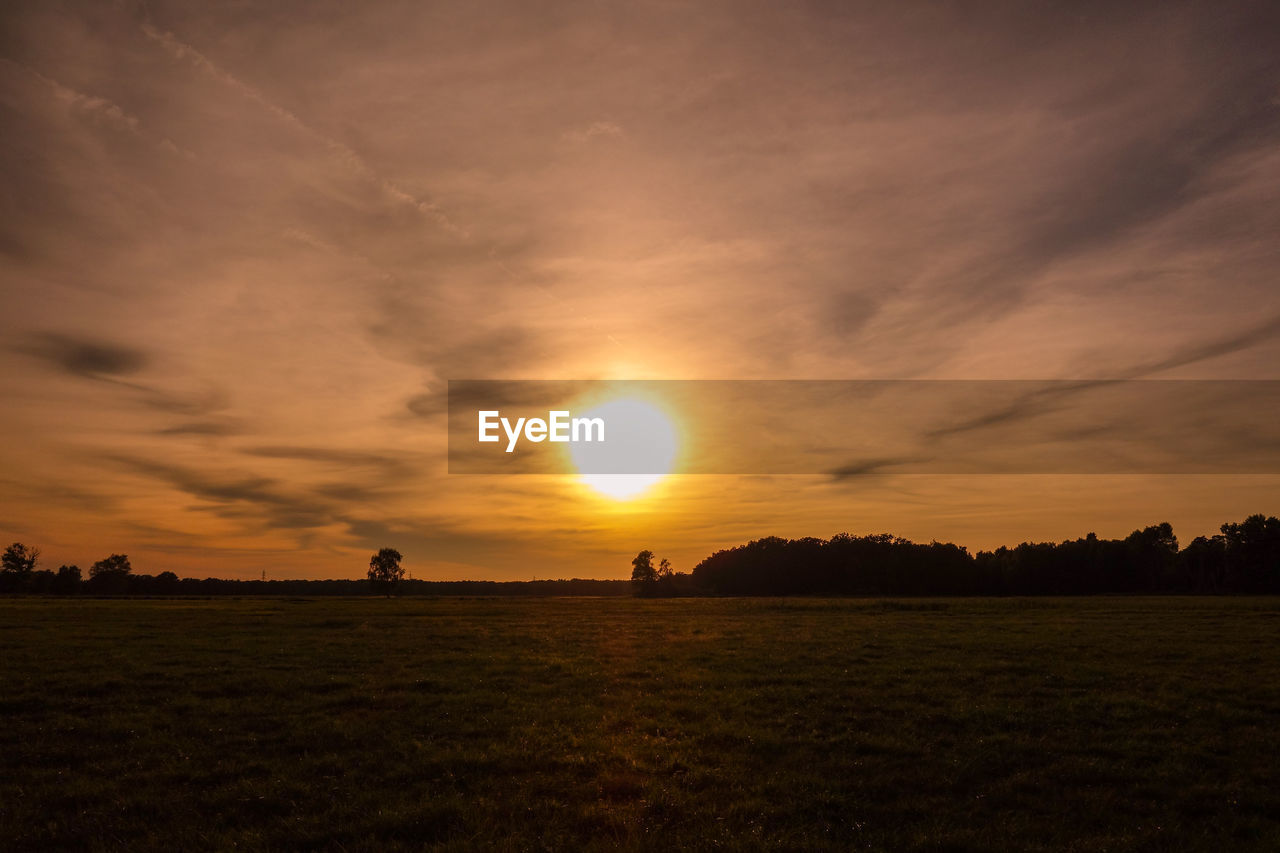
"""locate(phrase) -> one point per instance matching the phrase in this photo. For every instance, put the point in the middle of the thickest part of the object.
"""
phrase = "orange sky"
(245, 246)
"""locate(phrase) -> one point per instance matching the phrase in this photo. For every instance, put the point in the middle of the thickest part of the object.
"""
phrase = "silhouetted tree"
(116, 564)
(1203, 565)
(67, 581)
(1151, 554)
(16, 566)
(1253, 554)
(643, 574)
(385, 571)
(166, 583)
(111, 574)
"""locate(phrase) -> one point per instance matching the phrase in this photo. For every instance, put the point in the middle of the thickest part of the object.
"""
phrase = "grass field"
(566, 724)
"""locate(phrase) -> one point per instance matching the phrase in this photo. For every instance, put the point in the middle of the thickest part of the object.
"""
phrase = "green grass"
(568, 724)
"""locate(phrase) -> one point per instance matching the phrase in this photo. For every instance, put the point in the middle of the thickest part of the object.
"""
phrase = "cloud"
(1267, 330)
(87, 357)
(1042, 400)
(867, 467)
(98, 108)
(468, 394)
(248, 498)
(498, 353)
(595, 130)
(343, 153)
(205, 428)
(388, 465)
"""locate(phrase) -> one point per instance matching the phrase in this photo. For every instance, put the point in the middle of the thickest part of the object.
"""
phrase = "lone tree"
(20, 560)
(385, 571)
(643, 574)
(17, 569)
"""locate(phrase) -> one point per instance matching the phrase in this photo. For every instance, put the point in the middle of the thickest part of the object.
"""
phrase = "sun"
(639, 449)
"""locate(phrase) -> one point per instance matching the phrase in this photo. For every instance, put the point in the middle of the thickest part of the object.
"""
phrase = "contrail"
(349, 158)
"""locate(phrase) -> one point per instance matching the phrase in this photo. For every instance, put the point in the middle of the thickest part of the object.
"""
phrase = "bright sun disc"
(638, 451)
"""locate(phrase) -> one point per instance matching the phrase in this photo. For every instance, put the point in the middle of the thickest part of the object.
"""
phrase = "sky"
(244, 247)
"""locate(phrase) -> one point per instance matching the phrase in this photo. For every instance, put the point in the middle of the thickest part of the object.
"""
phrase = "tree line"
(109, 576)
(1243, 558)
(114, 575)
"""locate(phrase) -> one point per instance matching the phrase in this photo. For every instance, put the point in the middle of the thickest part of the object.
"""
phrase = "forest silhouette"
(1243, 558)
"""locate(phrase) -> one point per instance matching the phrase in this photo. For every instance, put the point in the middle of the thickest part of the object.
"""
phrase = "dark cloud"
(349, 458)
(182, 402)
(47, 491)
(271, 503)
(866, 467)
(1267, 330)
(93, 358)
(428, 404)
(88, 357)
(380, 469)
(1042, 398)
(264, 501)
(207, 428)
(845, 314)
(1025, 405)
(455, 351)
(351, 493)
(465, 394)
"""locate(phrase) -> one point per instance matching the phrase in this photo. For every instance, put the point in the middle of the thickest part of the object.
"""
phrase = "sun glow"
(639, 450)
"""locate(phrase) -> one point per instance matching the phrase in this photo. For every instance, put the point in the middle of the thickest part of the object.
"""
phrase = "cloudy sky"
(245, 245)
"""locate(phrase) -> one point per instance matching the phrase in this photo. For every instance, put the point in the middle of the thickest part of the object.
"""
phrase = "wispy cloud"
(97, 107)
(1044, 399)
(594, 130)
(343, 153)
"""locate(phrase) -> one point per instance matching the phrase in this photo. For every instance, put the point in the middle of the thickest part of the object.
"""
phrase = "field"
(568, 724)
